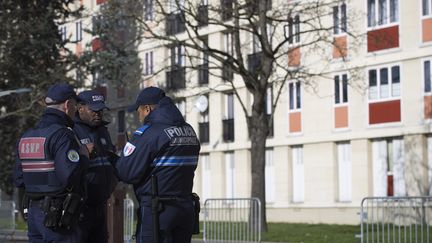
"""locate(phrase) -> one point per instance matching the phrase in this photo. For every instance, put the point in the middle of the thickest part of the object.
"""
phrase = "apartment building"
(348, 136)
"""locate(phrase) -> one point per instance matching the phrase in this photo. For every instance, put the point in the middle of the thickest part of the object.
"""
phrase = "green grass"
(308, 233)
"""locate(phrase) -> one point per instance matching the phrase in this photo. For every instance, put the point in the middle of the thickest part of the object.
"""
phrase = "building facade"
(350, 135)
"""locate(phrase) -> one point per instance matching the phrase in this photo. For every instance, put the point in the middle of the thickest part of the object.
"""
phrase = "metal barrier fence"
(396, 219)
(129, 222)
(232, 220)
(7, 215)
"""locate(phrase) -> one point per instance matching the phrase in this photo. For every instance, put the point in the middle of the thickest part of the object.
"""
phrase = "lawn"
(309, 233)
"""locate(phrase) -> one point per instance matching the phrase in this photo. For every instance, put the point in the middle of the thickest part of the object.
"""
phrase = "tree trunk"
(258, 132)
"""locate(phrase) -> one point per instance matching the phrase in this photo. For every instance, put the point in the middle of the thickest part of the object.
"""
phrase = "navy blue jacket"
(100, 177)
(48, 162)
(165, 146)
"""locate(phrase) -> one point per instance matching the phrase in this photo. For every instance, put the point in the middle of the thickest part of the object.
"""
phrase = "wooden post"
(115, 215)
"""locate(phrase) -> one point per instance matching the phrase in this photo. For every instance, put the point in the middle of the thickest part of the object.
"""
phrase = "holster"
(25, 206)
(52, 208)
(72, 206)
(196, 201)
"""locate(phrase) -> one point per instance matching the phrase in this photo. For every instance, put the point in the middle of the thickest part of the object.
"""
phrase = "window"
(228, 121)
(384, 83)
(178, 55)
(429, 154)
(427, 7)
(341, 88)
(204, 128)
(176, 6)
(148, 65)
(256, 43)
(344, 171)
(382, 12)
(427, 76)
(229, 175)
(78, 35)
(269, 176)
(148, 10)
(294, 96)
(298, 174)
(205, 177)
(292, 30)
(388, 167)
(339, 19)
(63, 33)
(228, 43)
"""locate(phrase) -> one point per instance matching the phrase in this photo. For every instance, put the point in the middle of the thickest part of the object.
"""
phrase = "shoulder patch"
(128, 149)
(73, 156)
(141, 130)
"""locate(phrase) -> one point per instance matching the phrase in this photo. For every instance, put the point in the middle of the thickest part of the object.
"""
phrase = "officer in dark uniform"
(165, 147)
(100, 178)
(50, 165)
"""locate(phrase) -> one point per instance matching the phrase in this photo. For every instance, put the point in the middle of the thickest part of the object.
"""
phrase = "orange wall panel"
(295, 122)
(382, 39)
(386, 111)
(294, 57)
(427, 30)
(428, 107)
(341, 117)
(340, 47)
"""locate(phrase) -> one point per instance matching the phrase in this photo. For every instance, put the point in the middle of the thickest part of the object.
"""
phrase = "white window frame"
(429, 153)
(381, 158)
(344, 172)
(294, 96)
(340, 19)
(228, 43)
(78, 29)
(426, 8)
(340, 82)
(229, 106)
(269, 100)
(292, 29)
(382, 92)
(148, 13)
(178, 57)
(229, 175)
(381, 13)
(148, 63)
(63, 32)
(298, 180)
(269, 176)
(427, 76)
(206, 176)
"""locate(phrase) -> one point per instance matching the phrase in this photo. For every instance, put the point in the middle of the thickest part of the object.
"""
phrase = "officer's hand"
(83, 150)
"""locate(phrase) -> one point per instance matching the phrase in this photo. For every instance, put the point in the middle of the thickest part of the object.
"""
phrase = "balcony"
(203, 74)
(202, 16)
(175, 78)
(226, 9)
(227, 72)
(228, 130)
(204, 132)
(175, 23)
(254, 63)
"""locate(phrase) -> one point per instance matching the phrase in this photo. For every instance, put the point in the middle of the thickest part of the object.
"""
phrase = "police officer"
(167, 148)
(100, 177)
(50, 165)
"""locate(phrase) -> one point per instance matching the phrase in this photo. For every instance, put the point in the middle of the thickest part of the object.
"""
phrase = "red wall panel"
(382, 39)
(382, 112)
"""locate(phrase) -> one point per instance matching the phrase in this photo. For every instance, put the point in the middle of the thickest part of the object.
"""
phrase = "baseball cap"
(94, 99)
(59, 93)
(148, 96)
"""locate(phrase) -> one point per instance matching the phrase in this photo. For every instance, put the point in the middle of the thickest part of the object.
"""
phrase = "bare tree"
(268, 44)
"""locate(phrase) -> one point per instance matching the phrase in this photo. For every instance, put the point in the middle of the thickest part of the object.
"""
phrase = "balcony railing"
(202, 16)
(175, 78)
(203, 74)
(204, 132)
(227, 72)
(175, 23)
(228, 130)
(254, 63)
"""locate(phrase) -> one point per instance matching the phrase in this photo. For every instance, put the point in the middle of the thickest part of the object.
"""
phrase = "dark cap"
(59, 93)
(147, 96)
(94, 99)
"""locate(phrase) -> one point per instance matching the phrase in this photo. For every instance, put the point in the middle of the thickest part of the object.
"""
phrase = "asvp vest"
(37, 164)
